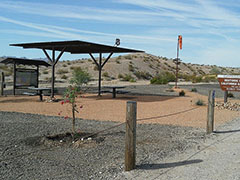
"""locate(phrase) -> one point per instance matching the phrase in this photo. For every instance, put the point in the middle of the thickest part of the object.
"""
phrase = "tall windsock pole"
(177, 60)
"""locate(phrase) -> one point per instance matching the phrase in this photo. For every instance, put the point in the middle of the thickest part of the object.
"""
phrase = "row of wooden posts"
(131, 118)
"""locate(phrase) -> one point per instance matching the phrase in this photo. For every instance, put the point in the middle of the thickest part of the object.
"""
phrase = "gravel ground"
(24, 156)
(216, 158)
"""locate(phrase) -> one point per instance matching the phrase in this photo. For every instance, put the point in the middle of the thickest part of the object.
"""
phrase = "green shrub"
(230, 95)
(199, 102)
(45, 72)
(8, 73)
(182, 93)
(215, 70)
(163, 78)
(128, 77)
(95, 68)
(64, 77)
(194, 90)
(105, 74)
(143, 75)
(128, 57)
(62, 71)
(120, 76)
(80, 77)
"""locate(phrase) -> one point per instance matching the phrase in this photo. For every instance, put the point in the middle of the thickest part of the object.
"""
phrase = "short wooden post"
(225, 96)
(2, 84)
(130, 141)
(210, 112)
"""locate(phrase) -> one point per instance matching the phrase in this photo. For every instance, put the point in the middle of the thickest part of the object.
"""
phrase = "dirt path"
(105, 108)
(218, 158)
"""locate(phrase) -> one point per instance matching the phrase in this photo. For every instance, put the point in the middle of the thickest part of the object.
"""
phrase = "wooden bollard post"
(210, 112)
(130, 141)
(225, 96)
(2, 84)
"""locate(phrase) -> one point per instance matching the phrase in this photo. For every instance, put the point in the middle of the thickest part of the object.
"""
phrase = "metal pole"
(53, 73)
(37, 75)
(130, 142)
(176, 86)
(100, 74)
(14, 78)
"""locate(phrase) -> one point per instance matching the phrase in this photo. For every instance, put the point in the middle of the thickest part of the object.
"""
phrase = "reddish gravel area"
(168, 110)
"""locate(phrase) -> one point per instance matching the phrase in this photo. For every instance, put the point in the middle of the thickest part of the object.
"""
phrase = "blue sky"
(210, 28)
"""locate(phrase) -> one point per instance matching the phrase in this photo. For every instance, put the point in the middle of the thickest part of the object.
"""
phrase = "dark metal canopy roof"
(76, 47)
(23, 61)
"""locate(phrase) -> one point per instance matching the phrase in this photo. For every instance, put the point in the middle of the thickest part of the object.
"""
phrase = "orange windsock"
(180, 41)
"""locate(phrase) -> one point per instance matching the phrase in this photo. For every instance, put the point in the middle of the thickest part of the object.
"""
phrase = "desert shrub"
(151, 66)
(64, 77)
(230, 95)
(199, 102)
(64, 65)
(62, 71)
(182, 93)
(95, 68)
(105, 74)
(48, 79)
(209, 79)
(131, 68)
(4, 67)
(117, 61)
(194, 90)
(143, 75)
(146, 59)
(120, 76)
(45, 72)
(8, 73)
(128, 77)
(201, 72)
(128, 57)
(215, 70)
(68, 63)
(163, 78)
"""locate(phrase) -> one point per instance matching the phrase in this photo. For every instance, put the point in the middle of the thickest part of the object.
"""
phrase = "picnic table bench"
(39, 91)
(114, 92)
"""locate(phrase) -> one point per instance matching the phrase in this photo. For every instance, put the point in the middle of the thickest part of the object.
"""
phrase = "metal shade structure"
(76, 47)
(24, 61)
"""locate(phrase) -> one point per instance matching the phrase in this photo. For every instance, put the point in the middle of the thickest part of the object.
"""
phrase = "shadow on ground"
(168, 165)
(139, 98)
(230, 131)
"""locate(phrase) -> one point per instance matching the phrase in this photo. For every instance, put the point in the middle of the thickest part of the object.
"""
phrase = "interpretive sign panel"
(229, 82)
(26, 78)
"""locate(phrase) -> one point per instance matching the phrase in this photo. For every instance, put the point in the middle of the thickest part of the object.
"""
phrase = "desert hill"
(131, 67)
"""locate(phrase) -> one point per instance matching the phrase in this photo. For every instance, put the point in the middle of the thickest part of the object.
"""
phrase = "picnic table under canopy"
(76, 47)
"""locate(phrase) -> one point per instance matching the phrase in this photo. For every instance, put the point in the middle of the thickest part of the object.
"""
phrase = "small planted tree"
(79, 80)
